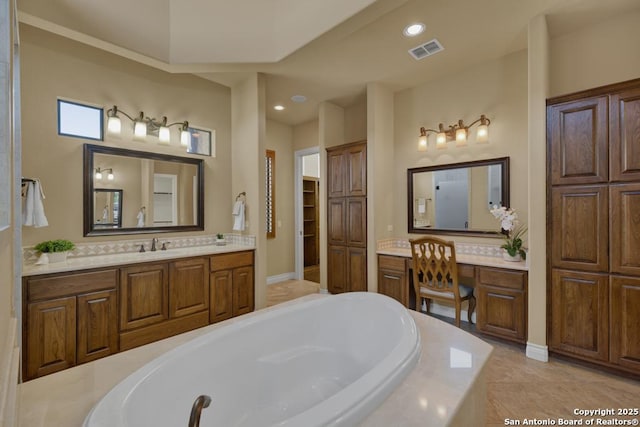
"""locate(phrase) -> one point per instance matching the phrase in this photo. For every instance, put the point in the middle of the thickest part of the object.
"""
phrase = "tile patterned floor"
(520, 388)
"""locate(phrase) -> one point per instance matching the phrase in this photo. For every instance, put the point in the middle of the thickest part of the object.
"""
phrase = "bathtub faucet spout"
(200, 403)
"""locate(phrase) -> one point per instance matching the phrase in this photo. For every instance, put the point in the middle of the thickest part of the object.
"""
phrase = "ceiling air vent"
(427, 49)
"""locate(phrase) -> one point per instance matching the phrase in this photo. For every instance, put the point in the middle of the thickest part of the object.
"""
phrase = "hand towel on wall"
(32, 206)
(140, 217)
(238, 216)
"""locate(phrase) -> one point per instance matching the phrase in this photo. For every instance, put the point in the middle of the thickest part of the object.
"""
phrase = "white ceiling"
(327, 50)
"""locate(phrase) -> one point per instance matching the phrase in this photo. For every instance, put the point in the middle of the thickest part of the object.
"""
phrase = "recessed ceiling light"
(413, 30)
(278, 107)
(298, 98)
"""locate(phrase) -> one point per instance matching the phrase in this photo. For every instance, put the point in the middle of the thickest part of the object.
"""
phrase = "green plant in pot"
(513, 243)
(56, 250)
(220, 239)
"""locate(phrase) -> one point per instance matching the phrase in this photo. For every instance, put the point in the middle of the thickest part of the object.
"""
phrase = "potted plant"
(220, 239)
(56, 250)
(513, 243)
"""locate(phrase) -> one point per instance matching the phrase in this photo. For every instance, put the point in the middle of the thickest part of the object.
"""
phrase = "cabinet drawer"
(466, 270)
(388, 262)
(503, 278)
(231, 260)
(70, 284)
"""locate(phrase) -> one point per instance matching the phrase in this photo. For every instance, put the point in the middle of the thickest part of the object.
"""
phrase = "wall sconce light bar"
(100, 174)
(458, 132)
(144, 125)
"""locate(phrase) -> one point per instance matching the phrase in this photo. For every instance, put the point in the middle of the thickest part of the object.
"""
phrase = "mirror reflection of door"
(165, 200)
(108, 212)
(452, 198)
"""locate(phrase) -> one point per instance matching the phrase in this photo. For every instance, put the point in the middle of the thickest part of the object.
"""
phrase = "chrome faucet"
(200, 403)
(153, 244)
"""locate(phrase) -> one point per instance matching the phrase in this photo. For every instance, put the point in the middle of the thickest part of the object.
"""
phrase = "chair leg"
(458, 313)
(427, 301)
(472, 307)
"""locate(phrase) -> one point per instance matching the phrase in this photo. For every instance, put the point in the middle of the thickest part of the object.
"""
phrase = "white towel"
(238, 216)
(32, 206)
(140, 218)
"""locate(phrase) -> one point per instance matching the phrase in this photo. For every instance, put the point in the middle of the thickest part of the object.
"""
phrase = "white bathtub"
(327, 361)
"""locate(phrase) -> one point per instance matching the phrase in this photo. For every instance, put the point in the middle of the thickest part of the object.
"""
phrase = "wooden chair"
(435, 275)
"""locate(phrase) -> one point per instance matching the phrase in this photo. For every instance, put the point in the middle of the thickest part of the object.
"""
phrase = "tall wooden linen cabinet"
(347, 217)
(593, 149)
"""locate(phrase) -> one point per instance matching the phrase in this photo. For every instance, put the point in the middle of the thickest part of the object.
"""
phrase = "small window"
(80, 121)
(270, 172)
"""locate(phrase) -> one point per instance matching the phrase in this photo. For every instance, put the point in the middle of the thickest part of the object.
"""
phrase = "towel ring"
(241, 195)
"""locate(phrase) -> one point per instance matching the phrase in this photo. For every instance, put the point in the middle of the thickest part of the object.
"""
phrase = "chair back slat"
(434, 265)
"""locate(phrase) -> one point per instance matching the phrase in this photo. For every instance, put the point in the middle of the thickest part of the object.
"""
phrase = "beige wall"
(355, 121)
(56, 67)
(495, 88)
(305, 135)
(599, 54)
(280, 250)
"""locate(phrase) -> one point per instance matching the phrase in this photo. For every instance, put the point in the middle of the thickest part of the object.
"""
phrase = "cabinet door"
(336, 171)
(51, 332)
(625, 228)
(357, 269)
(357, 221)
(337, 221)
(97, 325)
(221, 305)
(580, 228)
(625, 321)
(578, 141)
(625, 135)
(356, 170)
(243, 299)
(501, 312)
(337, 269)
(144, 292)
(188, 287)
(392, 278)
(580, 314)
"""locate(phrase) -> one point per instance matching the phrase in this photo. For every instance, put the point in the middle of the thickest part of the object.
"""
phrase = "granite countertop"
(463, 258)
(97, 261)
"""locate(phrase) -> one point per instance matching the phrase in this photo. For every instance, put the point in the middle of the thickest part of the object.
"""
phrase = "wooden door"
(51, 336)
(144, 295)
(356, 269)
(392, 278)
(580, 314)
(337, 269)
(625, 321)
(188, 287)
(243, 298)
(356, 175)
(356, 221)
(625, 228)
(578, 141)
(580, 228)
(336, 171)
(221, 305)
(625, 135)
(501, 312)
(337, 216)
(97, 325)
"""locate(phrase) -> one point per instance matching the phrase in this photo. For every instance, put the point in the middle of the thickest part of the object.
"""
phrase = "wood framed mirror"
(153, 192)
(457, 198)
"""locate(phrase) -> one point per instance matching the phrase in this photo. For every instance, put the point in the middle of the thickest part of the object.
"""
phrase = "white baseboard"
(323, 291)
(450, 311)
(537, 352)
(280, 278)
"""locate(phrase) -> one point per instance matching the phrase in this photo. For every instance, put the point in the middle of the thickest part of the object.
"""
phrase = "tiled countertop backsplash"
(461, 248)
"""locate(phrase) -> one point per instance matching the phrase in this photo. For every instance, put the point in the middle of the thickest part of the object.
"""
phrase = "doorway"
(307, 187)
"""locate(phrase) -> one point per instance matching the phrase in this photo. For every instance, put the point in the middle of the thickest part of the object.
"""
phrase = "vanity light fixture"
(458, 132)
(144, 125)
(100, 173)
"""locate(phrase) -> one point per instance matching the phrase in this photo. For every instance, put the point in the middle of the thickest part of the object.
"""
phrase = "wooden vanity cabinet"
(502, 303)
(70, 318)
(393, 278)
(231, 285)
(159, 300)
